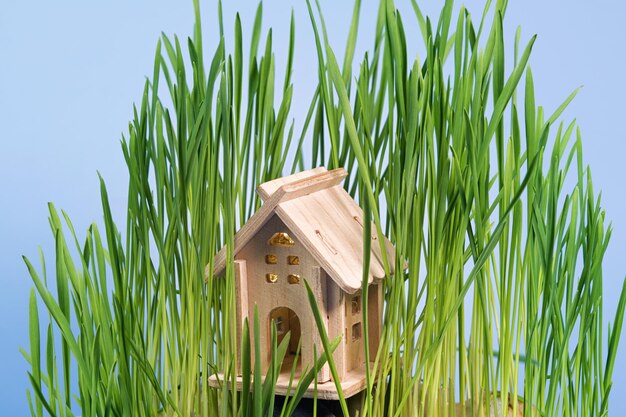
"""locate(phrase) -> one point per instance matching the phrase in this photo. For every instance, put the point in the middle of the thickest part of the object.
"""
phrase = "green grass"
(484, 194)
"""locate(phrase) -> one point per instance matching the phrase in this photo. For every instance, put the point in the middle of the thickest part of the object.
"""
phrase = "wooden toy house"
(309, 227)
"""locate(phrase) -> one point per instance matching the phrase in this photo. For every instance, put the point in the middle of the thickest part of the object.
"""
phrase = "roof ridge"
(266, 189)
(311, 184)
(314, 180)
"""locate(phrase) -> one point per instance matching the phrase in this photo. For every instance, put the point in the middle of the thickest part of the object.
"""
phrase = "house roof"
(324, 218)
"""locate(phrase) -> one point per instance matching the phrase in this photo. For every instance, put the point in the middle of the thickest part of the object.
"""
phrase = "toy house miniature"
(309, 227)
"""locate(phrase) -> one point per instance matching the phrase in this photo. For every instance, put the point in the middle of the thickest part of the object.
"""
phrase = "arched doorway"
(287, 321)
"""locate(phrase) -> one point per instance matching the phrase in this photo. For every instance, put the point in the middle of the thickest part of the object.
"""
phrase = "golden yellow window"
(281, 239)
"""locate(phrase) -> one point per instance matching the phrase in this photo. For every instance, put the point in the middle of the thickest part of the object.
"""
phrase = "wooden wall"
(271, 295)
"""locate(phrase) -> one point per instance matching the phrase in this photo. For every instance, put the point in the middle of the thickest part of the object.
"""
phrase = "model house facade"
(308, 227)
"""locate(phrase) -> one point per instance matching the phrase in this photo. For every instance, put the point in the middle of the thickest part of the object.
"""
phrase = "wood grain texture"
(329, 225)
(266, 189)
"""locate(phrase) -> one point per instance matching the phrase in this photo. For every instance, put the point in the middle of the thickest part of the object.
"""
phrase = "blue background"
(70, 72)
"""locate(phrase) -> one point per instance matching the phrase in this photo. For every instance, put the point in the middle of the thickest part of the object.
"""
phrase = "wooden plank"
(313, 184)
(268, 188)
(352, 384)
(303, 183)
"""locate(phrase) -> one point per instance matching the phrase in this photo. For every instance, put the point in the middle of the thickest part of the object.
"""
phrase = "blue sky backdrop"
(70, 72)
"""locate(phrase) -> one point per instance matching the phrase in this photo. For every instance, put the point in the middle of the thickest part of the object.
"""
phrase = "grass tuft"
(486, 198)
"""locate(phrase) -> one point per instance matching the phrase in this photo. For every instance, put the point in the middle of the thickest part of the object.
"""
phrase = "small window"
(356, 331)
(271, 259)
(293, 260)
(356, 305)
(281, 239)
(271, 278)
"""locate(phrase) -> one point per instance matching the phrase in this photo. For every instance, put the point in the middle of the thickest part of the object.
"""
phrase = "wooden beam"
(268, 188)
(312, 184)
